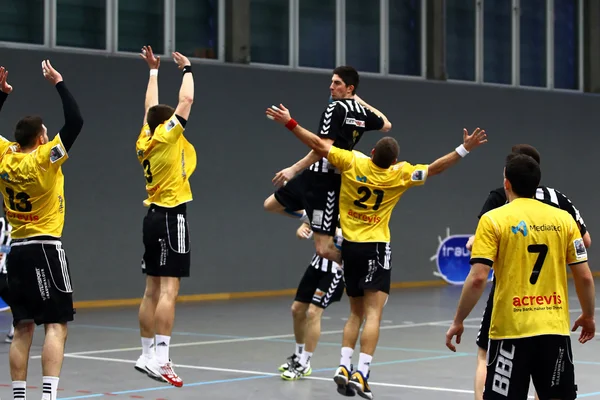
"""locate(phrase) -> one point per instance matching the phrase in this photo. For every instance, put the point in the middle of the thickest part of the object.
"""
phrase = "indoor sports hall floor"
(231, 350)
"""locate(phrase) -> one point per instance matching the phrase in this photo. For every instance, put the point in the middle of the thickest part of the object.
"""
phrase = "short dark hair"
(386, 152)
(348, 75)
(27, 131)
(158, 114)
(528, 150)
(524, 174)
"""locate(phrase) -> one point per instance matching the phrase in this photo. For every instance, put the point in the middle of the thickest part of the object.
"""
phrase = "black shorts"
(39, 281)
(367, 266)
(319, 287)
(166, 242)
(316, 193)
(4, 289)
(484, 328)
(547, 359)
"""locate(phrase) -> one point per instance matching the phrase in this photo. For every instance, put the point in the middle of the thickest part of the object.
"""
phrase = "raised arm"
(282, 115)
(73, 118)
(5, 88)
(387, 125)
(470, 142)
(152, 89)
(186, 92)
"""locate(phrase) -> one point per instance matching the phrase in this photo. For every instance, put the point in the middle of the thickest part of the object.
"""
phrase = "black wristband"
(187, 68)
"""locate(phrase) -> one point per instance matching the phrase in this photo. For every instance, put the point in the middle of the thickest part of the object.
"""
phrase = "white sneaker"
(163, 373)
(141, 362)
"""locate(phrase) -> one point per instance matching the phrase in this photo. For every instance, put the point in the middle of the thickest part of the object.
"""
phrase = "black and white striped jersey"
(5, 239)
(545, 194)
(324, 264)
(344, 121)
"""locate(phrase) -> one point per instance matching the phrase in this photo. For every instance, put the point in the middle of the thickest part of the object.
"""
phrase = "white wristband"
(461, 150)
(154, 72)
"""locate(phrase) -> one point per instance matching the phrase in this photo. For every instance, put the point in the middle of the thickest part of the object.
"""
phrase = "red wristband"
(291, 124)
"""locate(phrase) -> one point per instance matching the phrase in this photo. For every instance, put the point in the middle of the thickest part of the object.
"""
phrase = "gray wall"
(236, 245)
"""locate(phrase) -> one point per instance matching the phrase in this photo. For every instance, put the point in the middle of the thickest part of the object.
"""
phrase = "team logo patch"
(580, 250)
(318, 295)
(56, 153)
(418, 175)
(170, 125)
(317, 218)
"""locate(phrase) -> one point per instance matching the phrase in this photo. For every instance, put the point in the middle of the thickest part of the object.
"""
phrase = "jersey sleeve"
(565, 204)
(169, 131)
(342, 159)
(53, 153)
(576, 251)
(496, 198)
(332, 122)
(414, 175)
(4, 145)
(374, 122)
(485, 247)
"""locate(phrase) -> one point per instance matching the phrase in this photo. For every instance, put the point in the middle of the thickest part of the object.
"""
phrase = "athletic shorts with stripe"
(320, 286)
(39, 281)
(316, 193)
(166, 242)
(484, 328)
(367, 266)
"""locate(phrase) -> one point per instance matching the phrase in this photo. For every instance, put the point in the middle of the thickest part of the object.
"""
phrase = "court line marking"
(251, 339)
(261, 375)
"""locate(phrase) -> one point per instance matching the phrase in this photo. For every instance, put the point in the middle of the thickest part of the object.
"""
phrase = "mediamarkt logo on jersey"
(537, 303)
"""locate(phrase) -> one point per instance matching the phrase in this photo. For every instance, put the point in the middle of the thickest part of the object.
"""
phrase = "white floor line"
(252, 339)
(249, 372)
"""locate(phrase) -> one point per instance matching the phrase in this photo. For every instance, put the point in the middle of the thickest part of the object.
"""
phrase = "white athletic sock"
(147, 346)
(299, 349)
(364, 363)
(305, 359)
(12, 330)
(162, 349)
(50, 387)
(346, 359)
(19, 390)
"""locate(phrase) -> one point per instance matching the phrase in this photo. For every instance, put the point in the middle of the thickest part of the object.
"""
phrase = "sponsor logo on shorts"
(317, 218)
(318, 295)
(42, 284)
(537, 303)
(370, 219)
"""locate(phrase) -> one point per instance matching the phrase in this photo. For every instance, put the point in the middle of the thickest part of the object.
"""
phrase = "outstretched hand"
(51, 75)
(279, 114)
(180, 60)
(148, 55)
(475, 139)
(4, 86)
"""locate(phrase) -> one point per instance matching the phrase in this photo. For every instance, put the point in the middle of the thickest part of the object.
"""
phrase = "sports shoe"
(141, 362)
(359, 383)
(9, 338)
(296, 371)
(164, 371)
(290, 361)
(341, 378)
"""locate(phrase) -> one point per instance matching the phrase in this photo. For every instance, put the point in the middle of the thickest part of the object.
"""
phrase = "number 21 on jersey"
(366, 194)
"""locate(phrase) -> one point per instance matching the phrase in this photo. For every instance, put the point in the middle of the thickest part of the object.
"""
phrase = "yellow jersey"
(368, 193)
(529, 244)
(32, 185)
(168, 160)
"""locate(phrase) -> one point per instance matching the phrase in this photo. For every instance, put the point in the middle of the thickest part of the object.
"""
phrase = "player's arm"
(186, 91)
(318, 145)
(470, 142)
(5, 88)
(482, 259)
(566, 204)
(73, 119)
(151, 98)
(387, 125)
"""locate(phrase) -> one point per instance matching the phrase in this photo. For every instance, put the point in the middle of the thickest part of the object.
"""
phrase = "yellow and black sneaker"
(359, 383)
(342, 378)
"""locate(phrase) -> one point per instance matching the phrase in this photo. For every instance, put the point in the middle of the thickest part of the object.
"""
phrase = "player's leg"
(482, 345)
(553, 371)
(376, 260)
(288, 200)
(299, 310)
(146, 321)
(511, 362)
(52, 357)
(322, 208)
(19, 356)
(173, 263)
(4, 295)
(349, 338)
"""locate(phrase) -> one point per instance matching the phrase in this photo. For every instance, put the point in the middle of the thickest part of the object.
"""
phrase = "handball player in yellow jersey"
(370, 189)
